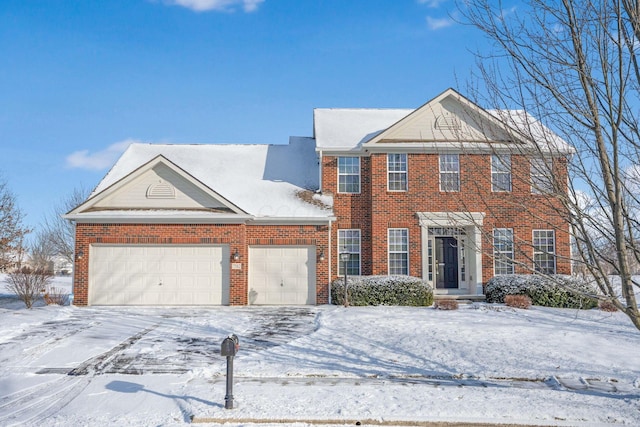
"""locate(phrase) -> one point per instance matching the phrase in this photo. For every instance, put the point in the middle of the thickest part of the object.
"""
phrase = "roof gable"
(449, 117)
(158, 184)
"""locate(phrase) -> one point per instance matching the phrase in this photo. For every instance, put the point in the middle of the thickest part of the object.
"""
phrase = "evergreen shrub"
(382, 290)
(555, 291)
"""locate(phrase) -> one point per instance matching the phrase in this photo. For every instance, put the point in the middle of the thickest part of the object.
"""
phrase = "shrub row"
(555, 291)
(382, 290)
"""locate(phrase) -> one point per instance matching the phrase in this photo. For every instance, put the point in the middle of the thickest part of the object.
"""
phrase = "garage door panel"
(282, 275)
(158, 275)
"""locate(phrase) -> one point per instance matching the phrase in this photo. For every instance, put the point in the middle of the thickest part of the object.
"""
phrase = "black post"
(228, 398)
(346, 294)
(344, 257)
(229, 348)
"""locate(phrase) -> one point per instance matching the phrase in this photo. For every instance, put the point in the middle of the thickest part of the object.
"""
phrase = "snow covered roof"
(526, 124)
(264, 181)
(344, 128)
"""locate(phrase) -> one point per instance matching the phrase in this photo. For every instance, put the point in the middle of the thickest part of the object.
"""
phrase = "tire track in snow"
(63, 330)
(44, 400)
(100, 363)
(39, 402)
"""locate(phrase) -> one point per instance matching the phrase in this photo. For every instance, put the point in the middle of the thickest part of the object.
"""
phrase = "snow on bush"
(517, 301)
(607, 306)
(554, 291)
(382, 290)
(446, 304)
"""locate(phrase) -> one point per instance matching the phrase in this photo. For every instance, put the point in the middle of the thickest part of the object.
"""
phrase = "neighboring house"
(447, 192)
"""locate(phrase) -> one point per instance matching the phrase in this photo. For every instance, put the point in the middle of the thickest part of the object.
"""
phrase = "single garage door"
(158, 275)
(282, 275)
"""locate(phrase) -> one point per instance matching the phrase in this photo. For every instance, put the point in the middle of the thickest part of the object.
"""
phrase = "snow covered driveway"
(141, 341)
(161, 366)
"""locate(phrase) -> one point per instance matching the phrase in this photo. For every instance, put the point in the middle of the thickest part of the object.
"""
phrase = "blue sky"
(80, 79)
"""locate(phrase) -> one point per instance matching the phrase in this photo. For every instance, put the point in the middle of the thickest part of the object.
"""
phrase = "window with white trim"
(348, 174)
(500, 172)
(398, 251)
(397, 172)
(449, 172)
(541, 176)
(350, 240)
(544, 251)
(503, 251)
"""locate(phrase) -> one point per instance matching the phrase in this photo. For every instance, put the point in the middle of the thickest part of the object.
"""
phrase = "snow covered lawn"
(161, 366)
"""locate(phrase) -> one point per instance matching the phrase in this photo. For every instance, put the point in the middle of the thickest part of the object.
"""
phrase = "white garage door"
(158, 275)
(282, 275)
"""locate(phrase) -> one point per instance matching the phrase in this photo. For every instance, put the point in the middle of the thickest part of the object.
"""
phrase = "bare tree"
(574, 65)
(59, 232)
(41, 252)
(12, 232)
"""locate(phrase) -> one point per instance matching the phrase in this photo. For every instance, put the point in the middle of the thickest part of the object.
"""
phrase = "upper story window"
(501, 172)
(541, 176)
(348, 174)
(449, 172)
(544, 251)
(349, 240)
(503, 251)
(399, 251)
(397, 172)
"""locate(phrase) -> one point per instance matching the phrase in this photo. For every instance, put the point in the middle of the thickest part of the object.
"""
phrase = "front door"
(446, 263)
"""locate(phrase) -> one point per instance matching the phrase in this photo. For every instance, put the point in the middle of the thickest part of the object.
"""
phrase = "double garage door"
(198, 275)
(159, 275)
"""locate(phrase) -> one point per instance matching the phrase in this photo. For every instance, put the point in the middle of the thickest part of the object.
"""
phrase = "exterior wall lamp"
(236, 256)
(321, 255)
(344, 257)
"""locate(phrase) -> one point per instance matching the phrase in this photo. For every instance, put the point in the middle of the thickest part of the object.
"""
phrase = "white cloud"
(99, 160)
(506, 12)
(432, 3)
(438, 23)
(219, 5)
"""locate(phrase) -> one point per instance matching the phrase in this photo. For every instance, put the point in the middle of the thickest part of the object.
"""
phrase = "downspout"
(320, 171)
(330, 258)
(73, 279)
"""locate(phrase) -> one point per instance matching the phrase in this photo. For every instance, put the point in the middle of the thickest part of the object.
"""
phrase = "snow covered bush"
(517, 301)
(28, 284)
(556, 291)
(382, 290)
(607, 306)
(446, 304)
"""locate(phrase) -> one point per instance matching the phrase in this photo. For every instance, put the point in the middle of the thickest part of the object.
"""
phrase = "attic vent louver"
(447, 121)
(161, 190)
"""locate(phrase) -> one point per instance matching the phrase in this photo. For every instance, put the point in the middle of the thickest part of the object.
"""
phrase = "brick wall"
(237, 236)
(376, 209)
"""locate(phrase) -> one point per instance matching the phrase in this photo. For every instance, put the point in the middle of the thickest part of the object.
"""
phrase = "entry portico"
(452, 251)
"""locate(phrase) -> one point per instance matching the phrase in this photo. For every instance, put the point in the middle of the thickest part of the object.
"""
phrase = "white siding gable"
(445, 120)
(448, 118)
(159, 188)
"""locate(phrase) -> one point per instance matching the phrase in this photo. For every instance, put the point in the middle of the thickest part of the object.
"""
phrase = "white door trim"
(471, 222)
